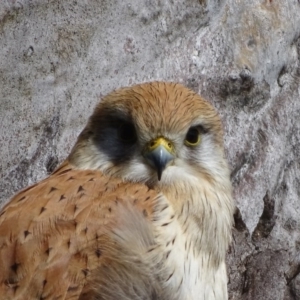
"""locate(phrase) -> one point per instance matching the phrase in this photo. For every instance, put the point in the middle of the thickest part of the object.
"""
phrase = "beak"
(159, 152)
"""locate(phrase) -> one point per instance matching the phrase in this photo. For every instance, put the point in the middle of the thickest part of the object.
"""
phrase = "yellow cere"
(161, 141)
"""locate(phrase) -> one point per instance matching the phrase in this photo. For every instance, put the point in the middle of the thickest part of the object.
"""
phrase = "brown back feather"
(56, 232)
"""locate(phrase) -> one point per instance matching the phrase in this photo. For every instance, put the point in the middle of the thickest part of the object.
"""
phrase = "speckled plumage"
(103, 227)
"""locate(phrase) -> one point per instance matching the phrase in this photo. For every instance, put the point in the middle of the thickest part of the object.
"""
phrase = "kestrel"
(140, 209)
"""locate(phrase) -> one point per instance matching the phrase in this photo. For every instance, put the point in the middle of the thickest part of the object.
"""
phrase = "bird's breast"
(189, 233)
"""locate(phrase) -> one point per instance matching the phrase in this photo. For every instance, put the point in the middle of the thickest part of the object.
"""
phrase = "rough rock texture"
(58, 57)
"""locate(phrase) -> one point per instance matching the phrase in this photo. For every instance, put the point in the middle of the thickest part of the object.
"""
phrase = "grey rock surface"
(57, 58)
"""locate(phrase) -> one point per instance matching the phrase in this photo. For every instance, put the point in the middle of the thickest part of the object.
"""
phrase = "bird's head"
(153, 133)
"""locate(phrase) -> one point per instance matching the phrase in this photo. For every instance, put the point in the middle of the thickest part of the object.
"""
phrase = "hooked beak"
(159, 152)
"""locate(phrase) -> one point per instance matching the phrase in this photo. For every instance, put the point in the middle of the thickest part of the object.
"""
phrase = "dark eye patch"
(115, 135)
(127, 132)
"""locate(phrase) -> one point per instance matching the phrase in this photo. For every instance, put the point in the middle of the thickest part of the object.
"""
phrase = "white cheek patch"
(179, 173)
(184, 168)
(206, 156)
(90, 158)
(136, 170)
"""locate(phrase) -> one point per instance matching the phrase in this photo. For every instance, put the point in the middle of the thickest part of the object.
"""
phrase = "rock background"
(57, 58)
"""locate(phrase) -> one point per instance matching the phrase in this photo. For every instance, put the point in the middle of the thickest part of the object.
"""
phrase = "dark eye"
(192, 137)
(127, 133)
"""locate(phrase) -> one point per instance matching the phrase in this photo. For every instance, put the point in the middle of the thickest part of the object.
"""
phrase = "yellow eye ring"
(192, 137)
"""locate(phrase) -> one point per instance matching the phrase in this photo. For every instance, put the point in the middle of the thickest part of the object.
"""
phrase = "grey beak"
(159, 159)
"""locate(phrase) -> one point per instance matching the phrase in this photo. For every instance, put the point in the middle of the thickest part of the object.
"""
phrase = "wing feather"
(55, 236)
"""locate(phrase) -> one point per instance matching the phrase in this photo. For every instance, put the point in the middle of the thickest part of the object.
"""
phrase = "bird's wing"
(55, 236)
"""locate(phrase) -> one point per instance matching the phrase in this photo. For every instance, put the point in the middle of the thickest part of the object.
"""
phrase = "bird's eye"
(127, 133)
(192, 137)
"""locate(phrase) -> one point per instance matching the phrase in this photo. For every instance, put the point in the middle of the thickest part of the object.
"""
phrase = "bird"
(141, 208)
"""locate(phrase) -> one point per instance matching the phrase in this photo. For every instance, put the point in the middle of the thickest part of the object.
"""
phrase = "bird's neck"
(204, 211)
(195, 234)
